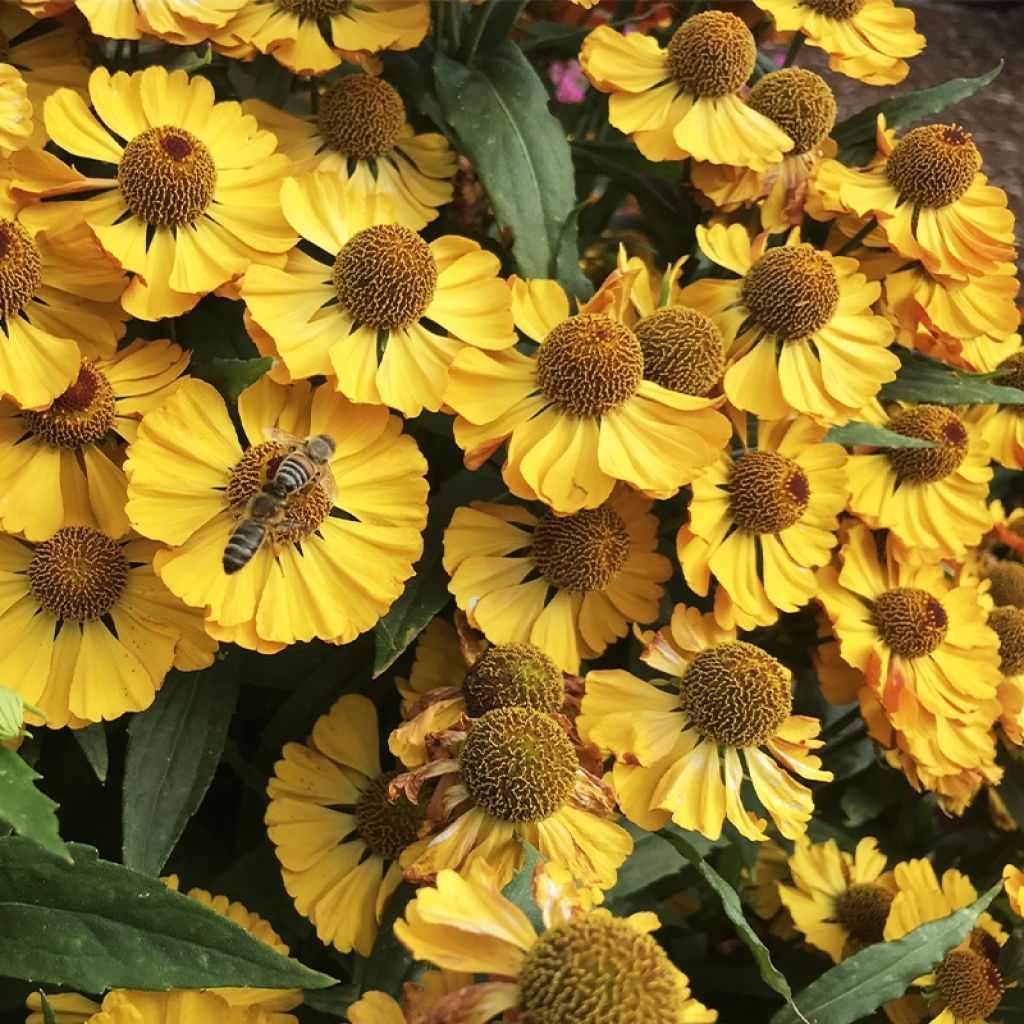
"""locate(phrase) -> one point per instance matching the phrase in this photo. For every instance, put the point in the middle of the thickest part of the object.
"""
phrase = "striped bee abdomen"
(294, 472)
(243, 543)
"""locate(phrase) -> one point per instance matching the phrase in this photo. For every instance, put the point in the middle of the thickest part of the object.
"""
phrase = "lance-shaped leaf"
(28, 811)
(867, 433)
(97, 925)
(857, 986)
(232, 376)
(925, 380)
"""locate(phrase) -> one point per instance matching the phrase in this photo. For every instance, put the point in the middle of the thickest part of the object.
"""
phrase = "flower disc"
(1008, 622)
(78, 574)
(799, 102)
(1006, 581)
(597, 969)
(736, 694)
(81, 415)
(934, 165)
(862, 910)
(583, 551)
(768, 493)
(840, 10)
(361, 116)
(792, 290)
(1010, 374)
(21, 269)
(912, 622)
(970, 984)
(518, 764)
(929, 423)
(167, 176)
(712, 54)
(313, 8)
(507, 675)
(385, 276)
(682, 350)
(387, 828)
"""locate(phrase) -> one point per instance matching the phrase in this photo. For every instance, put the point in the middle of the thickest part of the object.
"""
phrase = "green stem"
(172, 329)
(454, 23)
(842, 742)
(314, 97)
(133, 49)
(795, 46)
(839, 724)
(118, 53)
(480, 16)
(854, 242)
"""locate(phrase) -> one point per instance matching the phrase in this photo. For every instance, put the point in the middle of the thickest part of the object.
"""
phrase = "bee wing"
(283, 436)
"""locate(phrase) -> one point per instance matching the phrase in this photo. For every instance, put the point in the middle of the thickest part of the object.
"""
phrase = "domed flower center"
(385, 276)
(682, 350)
(768, 493)
(934, 165)
(840, 10)
(911, 622)
(799, 102)
(303, 511)
(792, 291)
(597, 969)
(509, 675)
(1010, 374)
(589, 365)
(518, 764)
(862, 911)
(21, 269)
(929, 423)
(971, 985)
(313, 8)
(711, 54)
(387, 828)
(81, 415)
(736, 694)
(584, 551)
(1006, 581)
(167, 176)
(1008, 622)
(361, 116)
(78, 574)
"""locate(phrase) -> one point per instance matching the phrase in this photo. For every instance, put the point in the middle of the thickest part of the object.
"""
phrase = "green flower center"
(1006, 581)
(387, 828)
(1008, 622)
(509, 675)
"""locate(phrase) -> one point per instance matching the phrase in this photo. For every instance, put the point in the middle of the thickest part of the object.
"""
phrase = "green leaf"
(389, 965)
(333, 1001)
(856, 135)
(232, 376)
(520, 889)
(770, 974)
(28, 811)
(868, 433)
(859, 985)
(213, 330)
(426, 592)
(1011, 788)
(173, 751)
(499, 112)
(651, 860)
(49, 1017)
(93, 743)
(97, 925)
(921, 379)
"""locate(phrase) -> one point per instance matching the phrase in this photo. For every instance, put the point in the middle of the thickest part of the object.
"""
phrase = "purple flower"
(570, 85)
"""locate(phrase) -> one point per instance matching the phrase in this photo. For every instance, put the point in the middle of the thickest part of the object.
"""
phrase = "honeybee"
(265, 509)
(307, 463)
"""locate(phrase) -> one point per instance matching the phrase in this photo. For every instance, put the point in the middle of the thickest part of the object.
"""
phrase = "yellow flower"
(1002, 426)
(184, 22)
(568, 584)
(58, 301)
(671, 740)
(417, 1000)
(865, 39)
(87, 631)
(576, 412)
(802, 104)
(66, 451)
(1013, 882)
(799, 331)
(310, 37)
(760, 523)
(187, 203)
(932, 499)
(366, 307)
(322, 574)
(361, 135)
(16, 123)
(838, 902)
(683, 100)
(965, 987)
(129, 1006)
(585, 967)
(512, 774)
(930, 199)
(335, 833)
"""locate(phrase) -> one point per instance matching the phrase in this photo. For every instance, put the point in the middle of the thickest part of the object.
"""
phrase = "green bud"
(12, 714)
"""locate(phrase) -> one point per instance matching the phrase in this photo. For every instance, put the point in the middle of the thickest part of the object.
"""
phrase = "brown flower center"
(971, 985)
(361, 116)
(712, 54)
(167, 176)
(934, 165)
(792, 290)
(508, 675)
(1010, 374)
(387, 828)
(911, 622)
(799, 102)
(385, 276)
(597, 969)
(736, 694)
(518, 764)
(78, 574)
(589, 365)
(313, 8)
(862, 910)
(21, 269)
(81, 415)
(929, 423)
(768, 493)
(1006, 584)
(682, 350)
(840, 10)
(584, 551)
(1008, 622)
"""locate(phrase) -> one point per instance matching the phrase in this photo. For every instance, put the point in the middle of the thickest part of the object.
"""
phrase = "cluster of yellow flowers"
(707, 399)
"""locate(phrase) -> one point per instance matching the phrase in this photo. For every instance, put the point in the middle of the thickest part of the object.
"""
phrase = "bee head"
(320, 447)
(264, 505)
